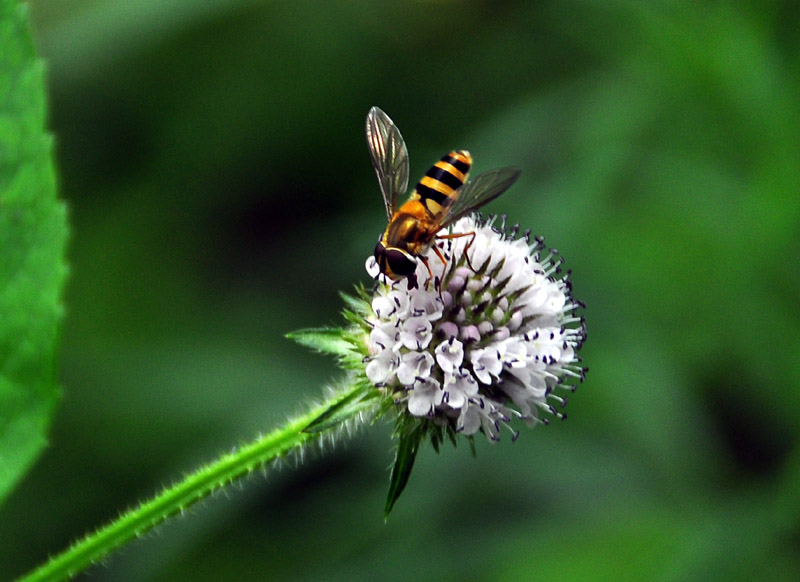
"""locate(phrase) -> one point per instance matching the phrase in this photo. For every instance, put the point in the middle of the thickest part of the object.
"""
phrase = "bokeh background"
(213, 159)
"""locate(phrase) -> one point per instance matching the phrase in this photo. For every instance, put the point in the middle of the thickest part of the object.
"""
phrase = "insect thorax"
(406, 231)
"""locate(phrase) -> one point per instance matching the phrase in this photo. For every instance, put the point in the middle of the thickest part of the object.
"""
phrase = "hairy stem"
(194, 487)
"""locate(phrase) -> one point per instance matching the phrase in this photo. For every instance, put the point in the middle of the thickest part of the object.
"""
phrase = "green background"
(220, 193)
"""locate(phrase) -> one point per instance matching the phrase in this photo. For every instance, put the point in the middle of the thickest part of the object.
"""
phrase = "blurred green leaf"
(33, 235)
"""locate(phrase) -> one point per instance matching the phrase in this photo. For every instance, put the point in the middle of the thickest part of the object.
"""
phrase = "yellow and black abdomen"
(436, 189)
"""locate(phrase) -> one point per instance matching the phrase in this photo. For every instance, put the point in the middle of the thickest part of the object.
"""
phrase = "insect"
(440, 198)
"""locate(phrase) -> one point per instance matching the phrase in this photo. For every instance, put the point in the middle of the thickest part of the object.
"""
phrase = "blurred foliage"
(213, 157)
(33, 237)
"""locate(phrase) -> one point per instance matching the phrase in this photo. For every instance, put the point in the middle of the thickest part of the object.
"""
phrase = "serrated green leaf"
(329, 340)
(341, 411)
(407, 449)
(33, 234)
(355, 304)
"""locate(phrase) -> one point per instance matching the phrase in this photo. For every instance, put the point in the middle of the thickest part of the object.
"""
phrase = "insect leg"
(439, 254)
(427, 266)
(466, 248)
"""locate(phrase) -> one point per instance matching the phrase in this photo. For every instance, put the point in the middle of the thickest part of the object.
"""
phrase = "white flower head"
(491, 337)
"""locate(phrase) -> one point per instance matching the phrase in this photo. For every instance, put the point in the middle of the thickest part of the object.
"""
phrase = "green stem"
(193, 488)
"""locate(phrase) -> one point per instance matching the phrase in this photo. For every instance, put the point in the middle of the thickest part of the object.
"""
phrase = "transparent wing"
(389, 157)
(478, 192)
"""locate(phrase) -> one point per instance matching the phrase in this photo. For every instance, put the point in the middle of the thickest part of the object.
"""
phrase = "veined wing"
(389, 157)
(478, 192)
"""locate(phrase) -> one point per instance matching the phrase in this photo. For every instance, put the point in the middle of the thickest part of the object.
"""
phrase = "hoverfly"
(440, 198)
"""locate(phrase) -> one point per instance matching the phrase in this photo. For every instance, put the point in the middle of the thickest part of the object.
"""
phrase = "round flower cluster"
(488, 339)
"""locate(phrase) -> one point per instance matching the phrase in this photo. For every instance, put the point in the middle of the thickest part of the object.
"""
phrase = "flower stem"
(194, 487)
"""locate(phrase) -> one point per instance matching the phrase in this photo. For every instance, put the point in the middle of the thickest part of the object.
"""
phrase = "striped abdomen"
(435, 190)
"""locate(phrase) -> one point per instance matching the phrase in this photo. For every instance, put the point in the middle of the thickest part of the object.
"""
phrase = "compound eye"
(400, 263)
